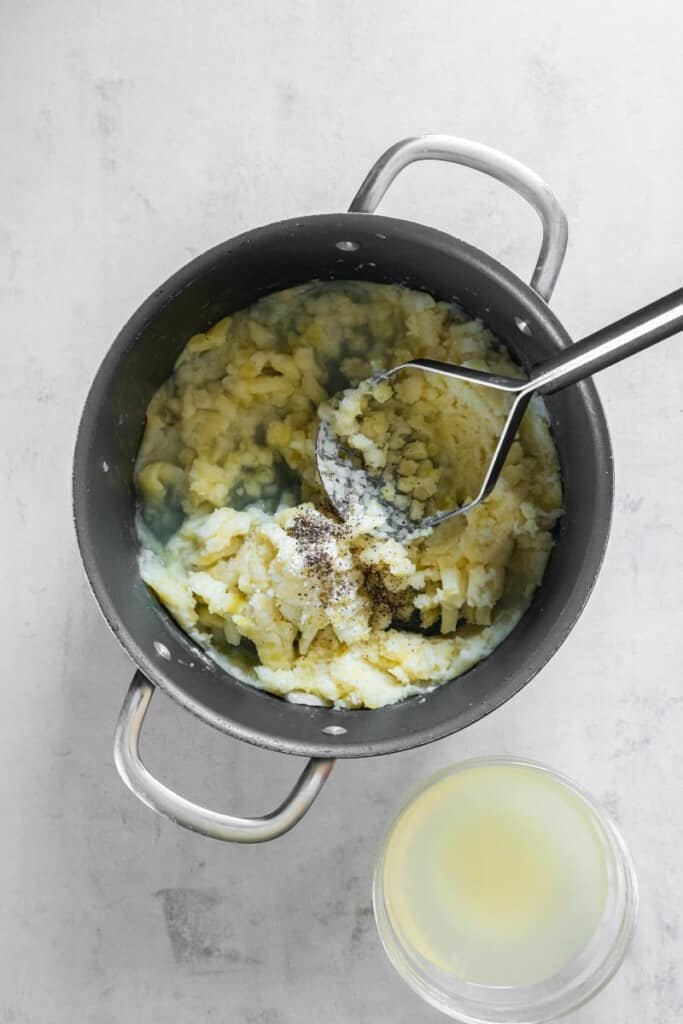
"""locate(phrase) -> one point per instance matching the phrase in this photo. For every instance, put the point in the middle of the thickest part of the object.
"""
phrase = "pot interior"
(230, 277)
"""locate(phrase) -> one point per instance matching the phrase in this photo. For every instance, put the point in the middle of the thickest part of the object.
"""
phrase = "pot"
(233, 275)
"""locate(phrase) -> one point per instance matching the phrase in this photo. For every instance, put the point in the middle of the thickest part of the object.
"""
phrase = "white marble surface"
(134, 136)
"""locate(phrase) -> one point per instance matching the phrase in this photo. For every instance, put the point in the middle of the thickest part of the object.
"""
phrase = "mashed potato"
(241, 546)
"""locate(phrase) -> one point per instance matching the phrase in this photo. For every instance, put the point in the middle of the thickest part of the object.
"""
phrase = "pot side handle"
(190, 815)
(510, 172)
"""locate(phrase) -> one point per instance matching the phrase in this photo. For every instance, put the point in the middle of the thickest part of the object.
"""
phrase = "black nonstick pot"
(361, 246)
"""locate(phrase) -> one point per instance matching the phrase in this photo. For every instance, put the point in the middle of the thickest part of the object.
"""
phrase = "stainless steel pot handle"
(183, 812)
(492, 162)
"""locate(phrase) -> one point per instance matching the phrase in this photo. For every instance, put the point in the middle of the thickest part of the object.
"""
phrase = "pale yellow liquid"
(496, 874)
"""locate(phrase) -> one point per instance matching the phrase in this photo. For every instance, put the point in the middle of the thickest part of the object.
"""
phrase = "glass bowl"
(570, 986)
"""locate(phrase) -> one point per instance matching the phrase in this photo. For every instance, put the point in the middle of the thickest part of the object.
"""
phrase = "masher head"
(381, 469)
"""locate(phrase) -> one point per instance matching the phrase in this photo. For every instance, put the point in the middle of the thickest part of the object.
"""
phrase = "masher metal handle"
(504, 168)
(610, 345)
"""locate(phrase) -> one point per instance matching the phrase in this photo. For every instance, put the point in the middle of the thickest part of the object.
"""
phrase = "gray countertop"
(137, 135)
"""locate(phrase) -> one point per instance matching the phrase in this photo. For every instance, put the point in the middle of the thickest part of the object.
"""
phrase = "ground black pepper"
(312, 533)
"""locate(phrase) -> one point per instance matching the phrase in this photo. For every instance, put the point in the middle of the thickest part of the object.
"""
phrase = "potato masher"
(350, 488)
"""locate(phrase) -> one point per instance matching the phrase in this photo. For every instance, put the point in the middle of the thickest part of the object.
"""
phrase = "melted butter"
(496, 874)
